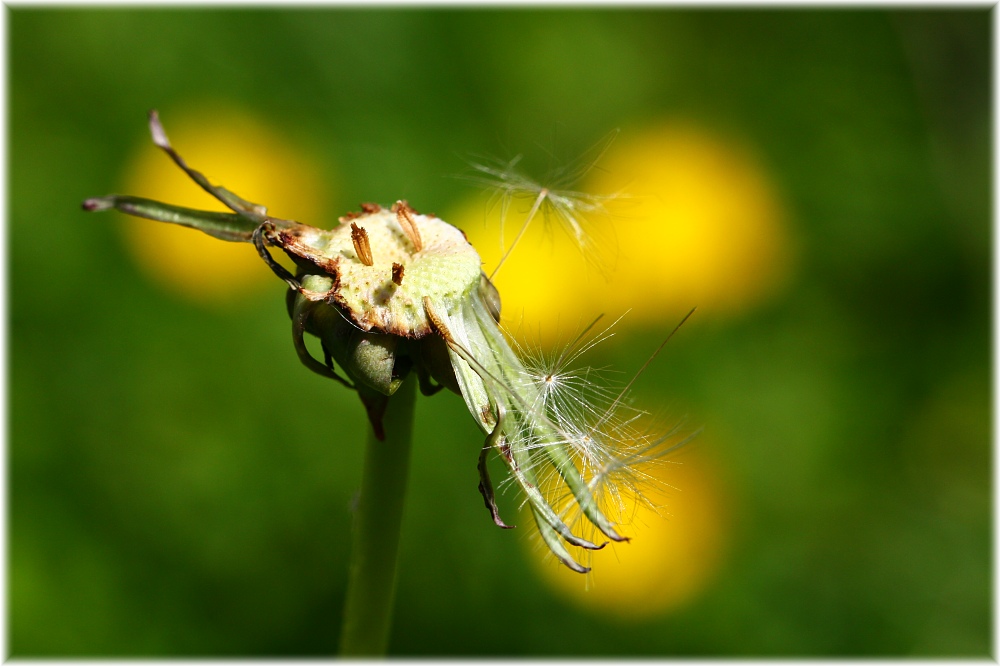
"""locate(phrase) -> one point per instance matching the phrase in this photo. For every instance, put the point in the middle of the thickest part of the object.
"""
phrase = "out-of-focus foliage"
(816, 181)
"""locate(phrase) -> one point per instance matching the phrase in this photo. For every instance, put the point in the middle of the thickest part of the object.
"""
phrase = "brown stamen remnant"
(367, 208)
(441, 327)
(404, 214)
(361, 244)
(397, 273)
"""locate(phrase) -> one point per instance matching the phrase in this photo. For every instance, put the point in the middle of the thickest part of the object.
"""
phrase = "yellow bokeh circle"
(536, 287)
(703, 224)
(674, 552)
(233, 149)
(700, 224)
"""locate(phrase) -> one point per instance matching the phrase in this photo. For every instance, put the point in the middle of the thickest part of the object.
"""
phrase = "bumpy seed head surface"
(445, 268)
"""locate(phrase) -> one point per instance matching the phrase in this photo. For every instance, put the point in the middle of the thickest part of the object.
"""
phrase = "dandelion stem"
(371, 582)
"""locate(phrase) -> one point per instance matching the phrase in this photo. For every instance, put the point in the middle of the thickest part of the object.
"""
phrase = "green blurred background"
(180, 486)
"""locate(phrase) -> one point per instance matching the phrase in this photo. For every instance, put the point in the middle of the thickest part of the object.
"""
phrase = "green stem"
(372, 579)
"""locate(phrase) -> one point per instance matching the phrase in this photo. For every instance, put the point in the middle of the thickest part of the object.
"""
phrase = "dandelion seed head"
(364, 254)
(376, 290)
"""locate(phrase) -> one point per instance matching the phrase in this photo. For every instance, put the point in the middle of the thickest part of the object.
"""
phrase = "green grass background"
(179, 486)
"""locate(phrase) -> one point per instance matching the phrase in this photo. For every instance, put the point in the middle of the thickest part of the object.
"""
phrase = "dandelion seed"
(607, 436)
(554, 197)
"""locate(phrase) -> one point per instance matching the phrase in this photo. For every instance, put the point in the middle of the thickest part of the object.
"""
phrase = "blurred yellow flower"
(238, 151)
(536, 284)
(674, 552)
(701, 225)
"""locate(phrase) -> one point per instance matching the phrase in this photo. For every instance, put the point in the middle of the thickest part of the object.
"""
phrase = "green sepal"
(225, 226)
(551, 540)
(432, 354)
(563, 463)
(371, 358)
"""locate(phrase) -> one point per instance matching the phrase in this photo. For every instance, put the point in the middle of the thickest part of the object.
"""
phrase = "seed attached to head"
(397, 273)
(436, 320)
(405, 216)
(361, 244)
